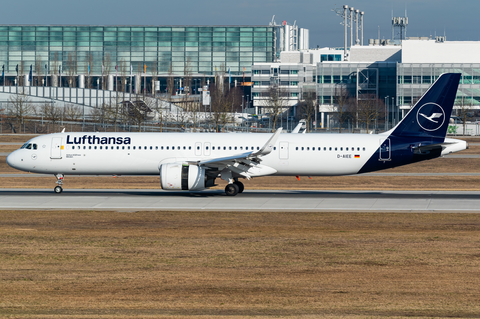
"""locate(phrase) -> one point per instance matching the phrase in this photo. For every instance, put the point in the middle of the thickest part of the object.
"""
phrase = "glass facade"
(358, 78)
(413, 79)
(163, 49)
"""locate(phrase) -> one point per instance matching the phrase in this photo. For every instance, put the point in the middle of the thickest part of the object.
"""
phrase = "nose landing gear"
(58, 189)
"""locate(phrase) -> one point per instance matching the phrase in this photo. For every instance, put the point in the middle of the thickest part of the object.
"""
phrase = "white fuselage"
(143, 153)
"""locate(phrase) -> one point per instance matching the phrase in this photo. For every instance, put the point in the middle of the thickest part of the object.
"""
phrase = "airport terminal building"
(201, 51)
(397, 73)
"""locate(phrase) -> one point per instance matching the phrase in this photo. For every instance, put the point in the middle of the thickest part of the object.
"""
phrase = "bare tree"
(114, 111)
(369, 108)
(122, 68)
(276, 102)
(19, 107)
(54, 65)
(98, 114)
(170, 83)
(21, 71)
(72, 69)
(223, 103)
(464, 111)
(88, 64)
(308, 107)
(38, 70)
(72, 112)
(154, 72)
(51, 113)
(343, 105)
(106, 68)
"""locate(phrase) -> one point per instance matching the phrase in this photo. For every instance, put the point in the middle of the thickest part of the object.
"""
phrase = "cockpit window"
(29, 146)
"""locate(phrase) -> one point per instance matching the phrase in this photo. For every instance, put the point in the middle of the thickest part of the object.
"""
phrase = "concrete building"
(395, 72)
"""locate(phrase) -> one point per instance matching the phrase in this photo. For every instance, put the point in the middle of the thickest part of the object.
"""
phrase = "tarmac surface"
(250, 200)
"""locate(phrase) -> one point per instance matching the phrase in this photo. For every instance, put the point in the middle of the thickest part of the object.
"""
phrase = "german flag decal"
(357, 156)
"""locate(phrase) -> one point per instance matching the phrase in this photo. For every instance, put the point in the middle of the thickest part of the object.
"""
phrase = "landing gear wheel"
(240, 186)
(231, 189)
(58, 189)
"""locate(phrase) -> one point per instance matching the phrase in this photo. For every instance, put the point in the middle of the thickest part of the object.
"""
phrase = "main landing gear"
(58, 189)
(234, 188)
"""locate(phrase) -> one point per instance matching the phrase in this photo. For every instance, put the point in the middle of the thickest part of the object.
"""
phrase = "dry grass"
(236, 265)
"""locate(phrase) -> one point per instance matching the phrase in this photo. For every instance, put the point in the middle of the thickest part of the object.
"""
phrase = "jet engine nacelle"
(181, 176)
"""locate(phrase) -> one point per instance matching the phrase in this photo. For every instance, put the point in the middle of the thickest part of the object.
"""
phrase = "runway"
(250, 200)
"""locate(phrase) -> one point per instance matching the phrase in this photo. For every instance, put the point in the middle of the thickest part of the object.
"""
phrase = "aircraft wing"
(244, 164)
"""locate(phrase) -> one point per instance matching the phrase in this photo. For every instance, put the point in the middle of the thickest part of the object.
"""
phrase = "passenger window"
(168, 147)
(335, 148)
(189, 147)
(101, 147)
(184, 147)
(151, 147)
(206, 147)
(358, 148)
(161, 147)
(341, 148)
(364, 148)
(230, 148)
(110, 147)
(302, 148)
(330, 148)
(84, 147)
(308, 148)
(224, 148)
(118, 147)
(241, 148)
(274, 148)
(246, 148)
(198, 147)
(324, 148)
(258, 148)
(95, 147)
(73, 147)
(346, 148)
(156, 147)
(296, 148)
(213, 147)
(235, 148)
(123, 147)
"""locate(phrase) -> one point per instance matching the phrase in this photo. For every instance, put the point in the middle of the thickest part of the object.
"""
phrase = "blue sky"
(458, 19)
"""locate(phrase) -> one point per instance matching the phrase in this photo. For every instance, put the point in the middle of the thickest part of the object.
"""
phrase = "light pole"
(386, 113)
(394, 111)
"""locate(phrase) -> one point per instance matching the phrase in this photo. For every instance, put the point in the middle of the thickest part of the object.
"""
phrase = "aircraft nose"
(12, 159)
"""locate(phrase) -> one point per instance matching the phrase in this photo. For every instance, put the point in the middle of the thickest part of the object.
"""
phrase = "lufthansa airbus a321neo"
(192, 161)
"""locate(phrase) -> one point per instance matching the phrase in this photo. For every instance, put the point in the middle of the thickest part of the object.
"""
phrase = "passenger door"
(385, 150)
(56, 150)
